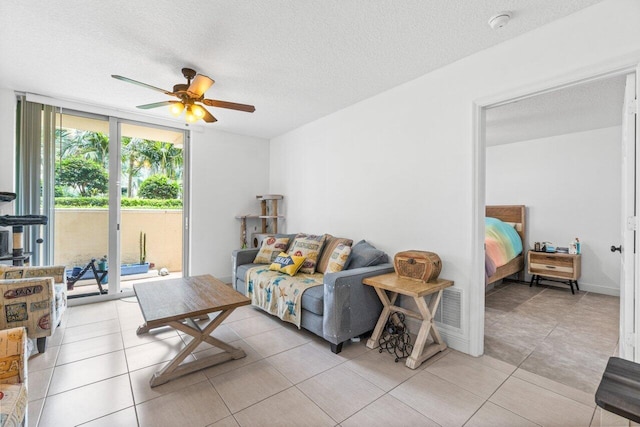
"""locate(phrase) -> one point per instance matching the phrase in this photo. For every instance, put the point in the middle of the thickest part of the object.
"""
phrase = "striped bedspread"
(502, 244)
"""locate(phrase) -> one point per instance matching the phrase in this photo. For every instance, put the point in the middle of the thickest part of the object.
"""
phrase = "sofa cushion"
(364, 254)
(289, 264)
(330, 245)
(313, 300)
(308, 246)
(339, 258)
(271, 247)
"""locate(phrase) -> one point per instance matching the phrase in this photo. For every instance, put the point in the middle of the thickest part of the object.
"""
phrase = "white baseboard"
(596, 289)
(453, 338)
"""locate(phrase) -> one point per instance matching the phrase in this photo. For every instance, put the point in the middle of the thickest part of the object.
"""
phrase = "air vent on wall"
(449, 310)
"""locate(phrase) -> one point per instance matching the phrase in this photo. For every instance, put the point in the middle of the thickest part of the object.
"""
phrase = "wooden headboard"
(510, 213)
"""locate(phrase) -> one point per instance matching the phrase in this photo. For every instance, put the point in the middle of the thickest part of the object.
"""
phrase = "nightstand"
(554, 266)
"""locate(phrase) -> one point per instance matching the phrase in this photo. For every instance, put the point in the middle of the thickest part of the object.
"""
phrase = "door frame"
(621, 66)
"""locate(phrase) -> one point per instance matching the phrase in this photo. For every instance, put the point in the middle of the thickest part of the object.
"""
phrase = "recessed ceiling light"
(499, 20)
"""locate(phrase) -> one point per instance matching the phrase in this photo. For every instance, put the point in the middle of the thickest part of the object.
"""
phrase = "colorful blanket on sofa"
(502, 244)
(279, 294)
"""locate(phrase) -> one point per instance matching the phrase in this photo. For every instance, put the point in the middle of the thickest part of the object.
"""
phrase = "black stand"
(395, 338)
(536, 278)
(17, 223)
(99, 275)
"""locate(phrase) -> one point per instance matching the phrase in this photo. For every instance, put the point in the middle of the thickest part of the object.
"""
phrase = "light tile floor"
(550, 332)
(96, 372)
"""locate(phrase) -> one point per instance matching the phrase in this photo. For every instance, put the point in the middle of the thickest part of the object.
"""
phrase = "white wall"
(397, 169)
(571, 185)
(227, 172)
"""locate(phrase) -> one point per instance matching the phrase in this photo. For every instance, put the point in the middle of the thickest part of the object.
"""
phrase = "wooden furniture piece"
(417, 290)
(554, 266)
(268, 217)
(619, 389)
(176, 303)
(515, 214)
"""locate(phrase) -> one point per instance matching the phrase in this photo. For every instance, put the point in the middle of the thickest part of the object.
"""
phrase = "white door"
(629, 313)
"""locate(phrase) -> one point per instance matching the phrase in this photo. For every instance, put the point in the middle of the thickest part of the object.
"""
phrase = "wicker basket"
(418, 265)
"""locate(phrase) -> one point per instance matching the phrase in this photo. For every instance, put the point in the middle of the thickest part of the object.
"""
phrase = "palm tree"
(166, 159)
(134, 160)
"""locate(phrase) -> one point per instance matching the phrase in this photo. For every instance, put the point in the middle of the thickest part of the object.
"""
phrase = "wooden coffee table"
(176, 303)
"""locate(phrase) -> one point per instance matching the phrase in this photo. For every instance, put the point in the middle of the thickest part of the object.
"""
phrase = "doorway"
(120, 196)
(477, 292)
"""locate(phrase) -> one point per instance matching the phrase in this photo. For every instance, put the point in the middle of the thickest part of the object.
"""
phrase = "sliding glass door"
(79, 228)
(151, 202)
(119, 203)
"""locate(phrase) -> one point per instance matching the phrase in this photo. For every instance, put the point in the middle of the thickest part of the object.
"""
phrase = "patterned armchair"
(13, 377)
(33, 297)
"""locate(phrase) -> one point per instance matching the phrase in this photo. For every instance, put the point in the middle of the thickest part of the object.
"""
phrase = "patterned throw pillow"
(338, 258)
(271, 247)
(329, 246)
(308, 246)
(289, 264)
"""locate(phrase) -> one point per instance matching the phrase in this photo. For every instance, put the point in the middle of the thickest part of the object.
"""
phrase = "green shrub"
(89, 178)
(159, 187)
(103, 202)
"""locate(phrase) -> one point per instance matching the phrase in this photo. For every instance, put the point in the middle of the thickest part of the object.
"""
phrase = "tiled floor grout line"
(558, 323)
(296, 385)
(126, 361)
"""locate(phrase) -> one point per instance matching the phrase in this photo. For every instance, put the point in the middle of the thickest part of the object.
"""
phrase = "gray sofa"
(342, 309)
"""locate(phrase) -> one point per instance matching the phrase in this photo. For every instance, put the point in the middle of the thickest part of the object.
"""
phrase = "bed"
(513, 214)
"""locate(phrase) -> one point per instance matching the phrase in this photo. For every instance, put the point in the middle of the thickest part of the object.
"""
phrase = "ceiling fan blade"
(229, 105)
(208, 117)
(156, 105)
(135, 82)
(199, 86)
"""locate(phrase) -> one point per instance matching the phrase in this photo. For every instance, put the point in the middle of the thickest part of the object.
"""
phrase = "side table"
(417, 290)
(565, 267)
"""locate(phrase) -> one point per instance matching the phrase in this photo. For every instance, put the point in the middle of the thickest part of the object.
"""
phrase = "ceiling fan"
(190, 96)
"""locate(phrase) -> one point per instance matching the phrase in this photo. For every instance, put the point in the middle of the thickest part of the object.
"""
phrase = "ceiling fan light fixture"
(176, 109)
(188, 94)
(190, 116)
(197, 111)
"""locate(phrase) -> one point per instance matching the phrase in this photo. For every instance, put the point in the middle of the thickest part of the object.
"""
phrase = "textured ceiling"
(588, 106)
(296, 61)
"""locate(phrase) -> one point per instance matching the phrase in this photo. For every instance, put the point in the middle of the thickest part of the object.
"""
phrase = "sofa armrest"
(29, 303)
(350, 307)
(26, 272)
(56, 271)
(241, 257)
(14, 347)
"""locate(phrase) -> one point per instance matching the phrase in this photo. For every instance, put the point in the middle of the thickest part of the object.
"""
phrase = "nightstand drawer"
(561, 266)
(554, 260)
(545, 268)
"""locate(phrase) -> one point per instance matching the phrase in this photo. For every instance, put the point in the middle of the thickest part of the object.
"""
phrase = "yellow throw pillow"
(289, 264)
